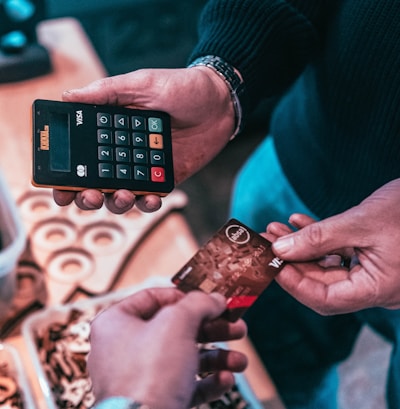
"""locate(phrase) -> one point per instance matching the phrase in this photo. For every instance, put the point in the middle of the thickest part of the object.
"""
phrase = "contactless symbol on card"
(236, 262)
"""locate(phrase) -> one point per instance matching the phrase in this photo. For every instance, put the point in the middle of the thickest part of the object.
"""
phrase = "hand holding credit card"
(236, 262)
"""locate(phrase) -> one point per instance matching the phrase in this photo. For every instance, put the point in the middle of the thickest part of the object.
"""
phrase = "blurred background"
(130, 34)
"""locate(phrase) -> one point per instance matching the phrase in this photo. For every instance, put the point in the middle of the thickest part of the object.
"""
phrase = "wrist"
(120, 402)
(233, 81)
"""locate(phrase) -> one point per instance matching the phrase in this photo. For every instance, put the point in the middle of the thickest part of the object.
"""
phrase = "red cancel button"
(157, 174)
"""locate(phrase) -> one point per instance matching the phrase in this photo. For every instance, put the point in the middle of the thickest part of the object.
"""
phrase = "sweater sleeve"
(268, 41)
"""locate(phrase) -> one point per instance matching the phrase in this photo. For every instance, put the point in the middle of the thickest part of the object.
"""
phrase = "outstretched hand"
(145, 348)
(202, 121)
(366, 237)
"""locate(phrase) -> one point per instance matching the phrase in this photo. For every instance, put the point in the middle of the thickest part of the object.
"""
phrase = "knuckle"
(314, 235)
(107, 85)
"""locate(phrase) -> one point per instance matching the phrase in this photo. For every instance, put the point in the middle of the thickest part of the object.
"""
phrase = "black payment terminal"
(78, 146)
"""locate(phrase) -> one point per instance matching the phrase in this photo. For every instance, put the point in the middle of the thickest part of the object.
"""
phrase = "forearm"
(268, 41)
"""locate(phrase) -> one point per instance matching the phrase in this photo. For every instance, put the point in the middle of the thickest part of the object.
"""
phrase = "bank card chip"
(236, 262)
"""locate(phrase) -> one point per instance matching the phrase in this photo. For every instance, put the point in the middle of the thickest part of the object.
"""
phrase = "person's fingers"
(331, 260)
(333, 292)
(222, 330)
(120, 201)
(106, 91)
(212, 387)
(144, 304)
(278, 229)
(320, 238)
(270, 237)
(194, 309)
(300, 220)
(218, 359)
(148, 203)
(89, 199)
(275, 230)
(63, 197)
(324, 275)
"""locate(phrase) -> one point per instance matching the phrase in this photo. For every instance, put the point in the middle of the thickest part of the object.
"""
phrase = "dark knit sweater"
(337, 65)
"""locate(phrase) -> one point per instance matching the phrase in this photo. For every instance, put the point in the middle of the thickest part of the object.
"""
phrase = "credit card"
(236, 262)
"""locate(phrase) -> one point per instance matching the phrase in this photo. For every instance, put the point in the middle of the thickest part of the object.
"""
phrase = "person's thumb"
(195, 308)
(316, 239)
(105, 91)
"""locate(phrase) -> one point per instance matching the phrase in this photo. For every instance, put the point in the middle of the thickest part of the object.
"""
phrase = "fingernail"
(331, 260)
(120, 203)
(283, 244)
(151, 206)
(89, 205)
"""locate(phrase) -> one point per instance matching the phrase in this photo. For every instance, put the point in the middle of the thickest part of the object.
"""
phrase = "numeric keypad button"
(122, 137)
(156, 141)
(155, 125)
(121, 121)
(124, 172)
(106, 170)
(104, 120)
(139, 139)
(104, 136)
(122, 155)
(157, 174)
(105, 153)
(138, 123)
(140, 156)
(141, 173)
(157, 158)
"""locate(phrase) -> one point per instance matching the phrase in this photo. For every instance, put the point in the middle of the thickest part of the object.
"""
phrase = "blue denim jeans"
(300, 348)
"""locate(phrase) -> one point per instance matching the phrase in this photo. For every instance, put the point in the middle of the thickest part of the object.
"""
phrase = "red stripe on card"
(241, 301)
